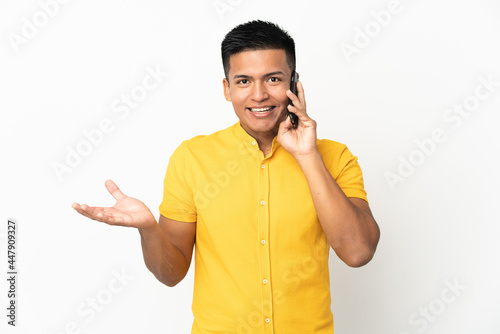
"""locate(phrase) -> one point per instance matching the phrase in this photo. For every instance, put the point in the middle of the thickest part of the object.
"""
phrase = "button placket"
(263, 230)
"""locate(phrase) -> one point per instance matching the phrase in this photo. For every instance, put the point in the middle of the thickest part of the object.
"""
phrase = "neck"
(264, 139)
(265, 143)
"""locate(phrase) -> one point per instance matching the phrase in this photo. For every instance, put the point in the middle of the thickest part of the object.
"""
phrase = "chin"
(264, 125)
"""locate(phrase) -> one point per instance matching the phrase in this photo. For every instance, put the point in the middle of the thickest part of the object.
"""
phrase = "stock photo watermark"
(12, 271)
(87, 311)
(219, 180)
(254, 318)
(425, 315)
(30, 27)
(453, 117)
(222, 7)
(306, 268)
(121, 107)
(380, 19)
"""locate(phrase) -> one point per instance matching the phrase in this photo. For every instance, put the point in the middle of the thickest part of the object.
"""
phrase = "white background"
(440, 225)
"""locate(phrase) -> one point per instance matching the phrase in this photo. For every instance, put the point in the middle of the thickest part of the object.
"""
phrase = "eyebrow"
(239, 76)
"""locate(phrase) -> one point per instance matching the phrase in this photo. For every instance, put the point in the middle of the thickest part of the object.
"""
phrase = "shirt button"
(262, 202)
(267, 320)
(264, 281)
(253, 142)
(263, 241)
(263, 166)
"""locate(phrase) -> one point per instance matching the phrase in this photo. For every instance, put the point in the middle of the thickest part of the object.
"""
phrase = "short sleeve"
(345, 169)
(178, 203)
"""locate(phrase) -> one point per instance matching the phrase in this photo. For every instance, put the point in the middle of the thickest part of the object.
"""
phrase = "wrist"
(149, 229)
(308, 160)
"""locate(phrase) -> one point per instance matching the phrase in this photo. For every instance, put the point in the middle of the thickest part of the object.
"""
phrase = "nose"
(259, 92)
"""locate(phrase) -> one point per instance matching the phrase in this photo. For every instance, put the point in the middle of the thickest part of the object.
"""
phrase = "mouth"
(263, 110)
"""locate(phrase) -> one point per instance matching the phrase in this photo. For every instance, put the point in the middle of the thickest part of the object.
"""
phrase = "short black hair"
(257, 35)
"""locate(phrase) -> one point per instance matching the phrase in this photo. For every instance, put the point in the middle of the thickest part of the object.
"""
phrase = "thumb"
(114, 190)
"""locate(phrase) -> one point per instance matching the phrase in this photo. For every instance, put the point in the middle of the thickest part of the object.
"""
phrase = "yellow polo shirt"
(261, 257)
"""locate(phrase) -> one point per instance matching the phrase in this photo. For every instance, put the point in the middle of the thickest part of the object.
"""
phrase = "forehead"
(258, 61)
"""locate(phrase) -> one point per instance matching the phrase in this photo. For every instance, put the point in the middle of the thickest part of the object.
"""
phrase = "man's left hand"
(299, 142)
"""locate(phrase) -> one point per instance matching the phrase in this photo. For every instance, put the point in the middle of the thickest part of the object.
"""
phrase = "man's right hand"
(127, 211)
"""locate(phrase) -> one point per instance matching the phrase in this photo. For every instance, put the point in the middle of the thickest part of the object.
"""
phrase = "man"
(264, 202)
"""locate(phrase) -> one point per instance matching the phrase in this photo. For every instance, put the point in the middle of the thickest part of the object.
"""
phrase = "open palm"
(127, 211)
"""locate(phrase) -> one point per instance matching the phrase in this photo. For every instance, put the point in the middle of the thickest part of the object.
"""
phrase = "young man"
(264, 201)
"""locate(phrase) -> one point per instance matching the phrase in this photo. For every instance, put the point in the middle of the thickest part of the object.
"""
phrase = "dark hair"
(257, 35)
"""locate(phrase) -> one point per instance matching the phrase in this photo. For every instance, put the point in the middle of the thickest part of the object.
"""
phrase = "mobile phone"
(293, 87)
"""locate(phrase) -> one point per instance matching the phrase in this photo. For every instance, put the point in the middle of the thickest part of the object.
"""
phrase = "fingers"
(80, 209)
(293, 97)
(300, 97)
(85, 210)
(105, 215)
(300, 112)
(300, 91)
(114, 190)
(108, 216)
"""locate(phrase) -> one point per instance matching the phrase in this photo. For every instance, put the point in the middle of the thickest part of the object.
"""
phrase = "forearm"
(162, 258)
(351, 232)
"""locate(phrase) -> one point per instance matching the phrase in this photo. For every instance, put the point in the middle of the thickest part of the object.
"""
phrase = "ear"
(298, 75)
(227, 90)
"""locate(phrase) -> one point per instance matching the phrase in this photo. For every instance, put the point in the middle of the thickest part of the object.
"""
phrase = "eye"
(242, 81)
(274, 79)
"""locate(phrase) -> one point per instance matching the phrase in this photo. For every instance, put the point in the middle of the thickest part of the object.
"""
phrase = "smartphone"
(293, 88)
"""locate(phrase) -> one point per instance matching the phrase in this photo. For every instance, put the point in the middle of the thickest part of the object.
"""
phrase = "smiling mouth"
(261, 110)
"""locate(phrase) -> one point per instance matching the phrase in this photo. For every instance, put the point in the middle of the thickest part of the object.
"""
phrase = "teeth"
(260, 109)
